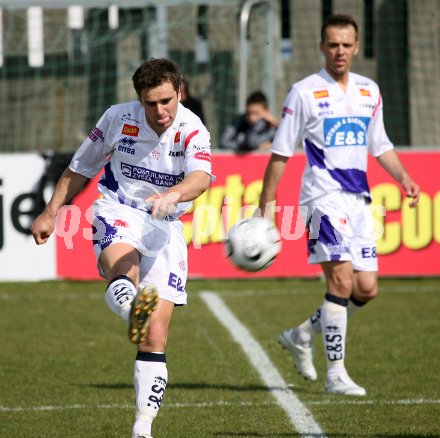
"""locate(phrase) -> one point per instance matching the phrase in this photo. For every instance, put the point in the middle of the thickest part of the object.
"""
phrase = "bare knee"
(339, 278)
(365, 286)
(120, 259)
(124, 267)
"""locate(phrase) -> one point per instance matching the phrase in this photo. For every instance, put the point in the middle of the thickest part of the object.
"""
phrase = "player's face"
(160, 105)
(339, 47)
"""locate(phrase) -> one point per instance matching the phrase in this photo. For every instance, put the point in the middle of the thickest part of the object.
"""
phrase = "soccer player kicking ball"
(156, 158)
(338, 116)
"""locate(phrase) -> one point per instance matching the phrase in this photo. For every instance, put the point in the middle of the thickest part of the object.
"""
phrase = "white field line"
(50, 408)
(308, 289)
(299, 415)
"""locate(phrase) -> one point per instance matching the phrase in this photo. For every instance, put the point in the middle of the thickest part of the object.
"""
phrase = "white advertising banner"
(20, 257)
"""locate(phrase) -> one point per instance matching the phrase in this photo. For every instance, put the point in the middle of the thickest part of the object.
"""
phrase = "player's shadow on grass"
(244, 388)
(258, 434)
(190, 386)
(314, 435)
(193, 386)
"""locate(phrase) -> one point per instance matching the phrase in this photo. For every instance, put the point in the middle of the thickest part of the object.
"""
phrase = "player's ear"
(356, 50)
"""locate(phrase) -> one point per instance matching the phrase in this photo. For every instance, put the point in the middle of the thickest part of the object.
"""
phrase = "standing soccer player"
(156, 158)
(338, 116)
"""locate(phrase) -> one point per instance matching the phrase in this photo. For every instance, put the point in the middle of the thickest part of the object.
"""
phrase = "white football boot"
(342, 384)
(303, 356)
(142, 306)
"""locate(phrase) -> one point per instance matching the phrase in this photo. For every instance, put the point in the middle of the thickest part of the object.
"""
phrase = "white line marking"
(308, 289)
(298, 414)
(406, 402)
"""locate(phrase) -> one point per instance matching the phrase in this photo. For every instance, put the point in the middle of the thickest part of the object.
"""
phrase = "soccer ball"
(252, 244)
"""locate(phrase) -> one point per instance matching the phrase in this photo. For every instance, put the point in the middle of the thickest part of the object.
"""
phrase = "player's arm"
(390, 161)
(69, 185)
(274, 171)
(191, 187)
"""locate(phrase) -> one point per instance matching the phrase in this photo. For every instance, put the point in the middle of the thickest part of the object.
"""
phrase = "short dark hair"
(338, 20)
(155, 72)
(256, 97)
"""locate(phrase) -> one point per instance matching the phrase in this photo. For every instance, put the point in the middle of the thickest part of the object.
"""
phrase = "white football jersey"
(137, 162)
(337, 129)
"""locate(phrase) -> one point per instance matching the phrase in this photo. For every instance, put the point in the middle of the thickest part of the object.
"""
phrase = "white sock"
(334, 324)
(354, 305)
(119, 295)
(150, 381)
(312, 326)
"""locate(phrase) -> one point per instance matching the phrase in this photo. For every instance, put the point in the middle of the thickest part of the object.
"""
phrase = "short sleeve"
(378, 141)
(292, 124)
(197, 149)
(91, 155)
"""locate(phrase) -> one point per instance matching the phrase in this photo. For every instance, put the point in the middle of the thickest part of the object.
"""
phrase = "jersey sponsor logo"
(337, 248)
(203, 156)
(176, 282)
(129, 118)
(131, 130)
(325, 113)
(346, 131)
(96, 135)
(177, 137)
(365, 92)
(127, 141)
(120, 223)
(325, 107)
(369, 253)
(368, 105)
(150, 176)
(126, 149)
(320, 94)
(176, 153)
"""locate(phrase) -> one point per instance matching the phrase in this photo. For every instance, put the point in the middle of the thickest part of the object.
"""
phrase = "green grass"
(66, 368)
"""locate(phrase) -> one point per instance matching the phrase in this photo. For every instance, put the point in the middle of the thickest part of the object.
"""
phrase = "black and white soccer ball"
(252, 244)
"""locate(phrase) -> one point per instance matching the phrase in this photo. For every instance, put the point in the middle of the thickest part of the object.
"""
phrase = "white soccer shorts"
(341, 228)
(161, 245)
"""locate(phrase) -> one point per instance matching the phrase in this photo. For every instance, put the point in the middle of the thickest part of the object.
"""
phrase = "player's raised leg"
(142, 306)
(119, 262)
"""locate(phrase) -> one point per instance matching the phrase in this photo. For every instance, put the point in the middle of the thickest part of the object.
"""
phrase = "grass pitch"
(66, 366)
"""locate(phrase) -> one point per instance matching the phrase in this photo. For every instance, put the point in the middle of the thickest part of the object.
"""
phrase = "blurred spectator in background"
(253, 130)
(190, 102)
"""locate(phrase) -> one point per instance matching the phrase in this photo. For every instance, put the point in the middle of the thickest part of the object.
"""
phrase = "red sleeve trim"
(377, 106)
(189, 137)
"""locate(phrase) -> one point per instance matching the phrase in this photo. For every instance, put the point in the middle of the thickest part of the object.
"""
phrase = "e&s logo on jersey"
(346, 131)
(131, 130)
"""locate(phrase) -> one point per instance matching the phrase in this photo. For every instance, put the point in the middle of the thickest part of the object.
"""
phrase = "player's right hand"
(42, 227)
(412, 190)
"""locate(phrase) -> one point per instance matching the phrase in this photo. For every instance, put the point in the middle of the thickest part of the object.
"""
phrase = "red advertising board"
(409, 242)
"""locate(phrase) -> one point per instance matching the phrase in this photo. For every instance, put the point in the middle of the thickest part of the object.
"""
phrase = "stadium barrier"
(408, 239)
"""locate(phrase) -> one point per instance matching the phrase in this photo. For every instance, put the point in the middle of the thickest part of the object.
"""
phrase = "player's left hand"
(163, 205)
(412, 190)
